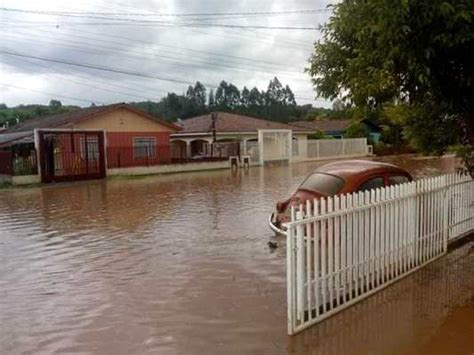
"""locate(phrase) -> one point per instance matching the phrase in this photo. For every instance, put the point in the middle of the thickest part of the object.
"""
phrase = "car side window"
(397, 179)
(372, 184)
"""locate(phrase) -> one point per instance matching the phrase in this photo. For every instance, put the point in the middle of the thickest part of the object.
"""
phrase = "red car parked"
(335, 179)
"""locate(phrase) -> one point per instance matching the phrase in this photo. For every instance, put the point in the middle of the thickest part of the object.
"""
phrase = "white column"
(188, 149)
(244, 145)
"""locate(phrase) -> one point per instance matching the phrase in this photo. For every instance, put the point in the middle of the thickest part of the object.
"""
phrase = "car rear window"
(323, 183)
(397, 179)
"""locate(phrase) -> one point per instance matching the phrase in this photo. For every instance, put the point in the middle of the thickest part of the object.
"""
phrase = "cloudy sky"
(132, 50)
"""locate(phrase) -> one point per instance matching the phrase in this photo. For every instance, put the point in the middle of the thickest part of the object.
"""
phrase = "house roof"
(69, 118)
(24, 136)
(230, 122)
(324, 125)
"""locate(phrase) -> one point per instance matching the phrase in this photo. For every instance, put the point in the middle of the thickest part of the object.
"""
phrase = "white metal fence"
(331, 148)
(344, 248)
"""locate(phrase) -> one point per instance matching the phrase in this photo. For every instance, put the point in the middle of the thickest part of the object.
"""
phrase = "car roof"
(355, 168)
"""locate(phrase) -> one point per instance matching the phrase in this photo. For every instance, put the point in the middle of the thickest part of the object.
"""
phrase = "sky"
(136, 50)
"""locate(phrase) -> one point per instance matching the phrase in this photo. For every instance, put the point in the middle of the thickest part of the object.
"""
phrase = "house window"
(144, 147)
(92, 148)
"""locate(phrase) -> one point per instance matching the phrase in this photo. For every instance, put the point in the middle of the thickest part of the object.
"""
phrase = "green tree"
(211, 100)
(227, 96)
(418, 52)
(245, 98)
(55, 104)
(357, 130)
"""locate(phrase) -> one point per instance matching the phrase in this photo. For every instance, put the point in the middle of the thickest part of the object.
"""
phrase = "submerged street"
(180, 264)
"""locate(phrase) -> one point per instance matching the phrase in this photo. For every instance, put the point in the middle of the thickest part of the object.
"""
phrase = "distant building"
(198, 132)
(337, 128)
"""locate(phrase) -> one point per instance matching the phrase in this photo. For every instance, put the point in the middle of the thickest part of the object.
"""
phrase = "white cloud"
(242, 56)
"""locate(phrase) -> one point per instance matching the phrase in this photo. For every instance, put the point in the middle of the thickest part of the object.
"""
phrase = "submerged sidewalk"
(429, 312)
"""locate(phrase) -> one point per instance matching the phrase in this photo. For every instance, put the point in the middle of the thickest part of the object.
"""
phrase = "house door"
(71, 155)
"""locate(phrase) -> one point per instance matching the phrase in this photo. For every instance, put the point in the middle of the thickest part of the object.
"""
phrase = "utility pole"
(213, 130)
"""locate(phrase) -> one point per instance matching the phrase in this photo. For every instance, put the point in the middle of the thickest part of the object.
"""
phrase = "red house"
(84, 143)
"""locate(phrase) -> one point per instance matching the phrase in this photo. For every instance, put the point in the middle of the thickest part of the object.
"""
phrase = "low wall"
(20, 179)
(301, 159)
(168, 168)
(5, 179)
(26, 179)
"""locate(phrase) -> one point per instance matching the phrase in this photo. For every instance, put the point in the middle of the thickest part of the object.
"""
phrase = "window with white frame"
(144, 147)
(92, 148)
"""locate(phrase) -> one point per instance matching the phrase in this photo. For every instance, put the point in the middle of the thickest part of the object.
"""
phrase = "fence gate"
(67, 155)
(344, 248)
(274, 145)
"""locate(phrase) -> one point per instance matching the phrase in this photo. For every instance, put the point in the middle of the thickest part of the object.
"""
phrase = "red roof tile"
(324, 125)
(67, 118)
(230, 122)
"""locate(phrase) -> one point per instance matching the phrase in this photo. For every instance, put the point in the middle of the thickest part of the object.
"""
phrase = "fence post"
(446, 211)
(300, 272)
(343, 146)
(290, 275)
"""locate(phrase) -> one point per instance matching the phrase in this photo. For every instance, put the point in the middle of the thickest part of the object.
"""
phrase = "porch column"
(188, 149)
(244, 147)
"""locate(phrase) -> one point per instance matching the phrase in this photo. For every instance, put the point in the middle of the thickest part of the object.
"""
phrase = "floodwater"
(180, 264)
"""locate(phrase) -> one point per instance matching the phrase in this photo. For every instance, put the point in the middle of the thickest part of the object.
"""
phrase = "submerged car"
(336, 179)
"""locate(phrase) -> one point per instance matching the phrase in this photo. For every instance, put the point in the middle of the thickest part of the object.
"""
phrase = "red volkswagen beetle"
(335, 179)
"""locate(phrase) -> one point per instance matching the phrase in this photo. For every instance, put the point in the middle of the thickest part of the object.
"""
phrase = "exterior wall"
(120, 149)
(167, 169)
(125, 139)
(121, 127)
(122, 120)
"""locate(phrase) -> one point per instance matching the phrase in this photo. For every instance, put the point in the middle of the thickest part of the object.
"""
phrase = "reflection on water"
(180, 264)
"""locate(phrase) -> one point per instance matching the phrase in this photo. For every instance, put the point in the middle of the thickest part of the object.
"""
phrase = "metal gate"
(67, 155)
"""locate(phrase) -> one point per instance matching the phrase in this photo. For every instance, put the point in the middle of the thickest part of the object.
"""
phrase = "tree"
(357, 130)
(211, 100)
(288, 97)
(245, 97)
(274, 92)
(195, 100)
(227, 96)
(417, 52)
(55, 104)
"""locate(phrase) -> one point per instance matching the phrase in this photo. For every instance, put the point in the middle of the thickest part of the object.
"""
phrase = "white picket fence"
(333, 148)
(344, 248)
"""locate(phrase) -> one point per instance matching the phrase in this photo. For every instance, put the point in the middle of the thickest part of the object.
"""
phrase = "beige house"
(197, 132)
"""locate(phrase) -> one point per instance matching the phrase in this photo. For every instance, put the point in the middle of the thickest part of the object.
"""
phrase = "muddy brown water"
(180, 264)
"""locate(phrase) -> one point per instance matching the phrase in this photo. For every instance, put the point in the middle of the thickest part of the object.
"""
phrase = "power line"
(161, 24)
(173, 58)
(51, 94)
(113, 70)
(85, 13)
(77, 82)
